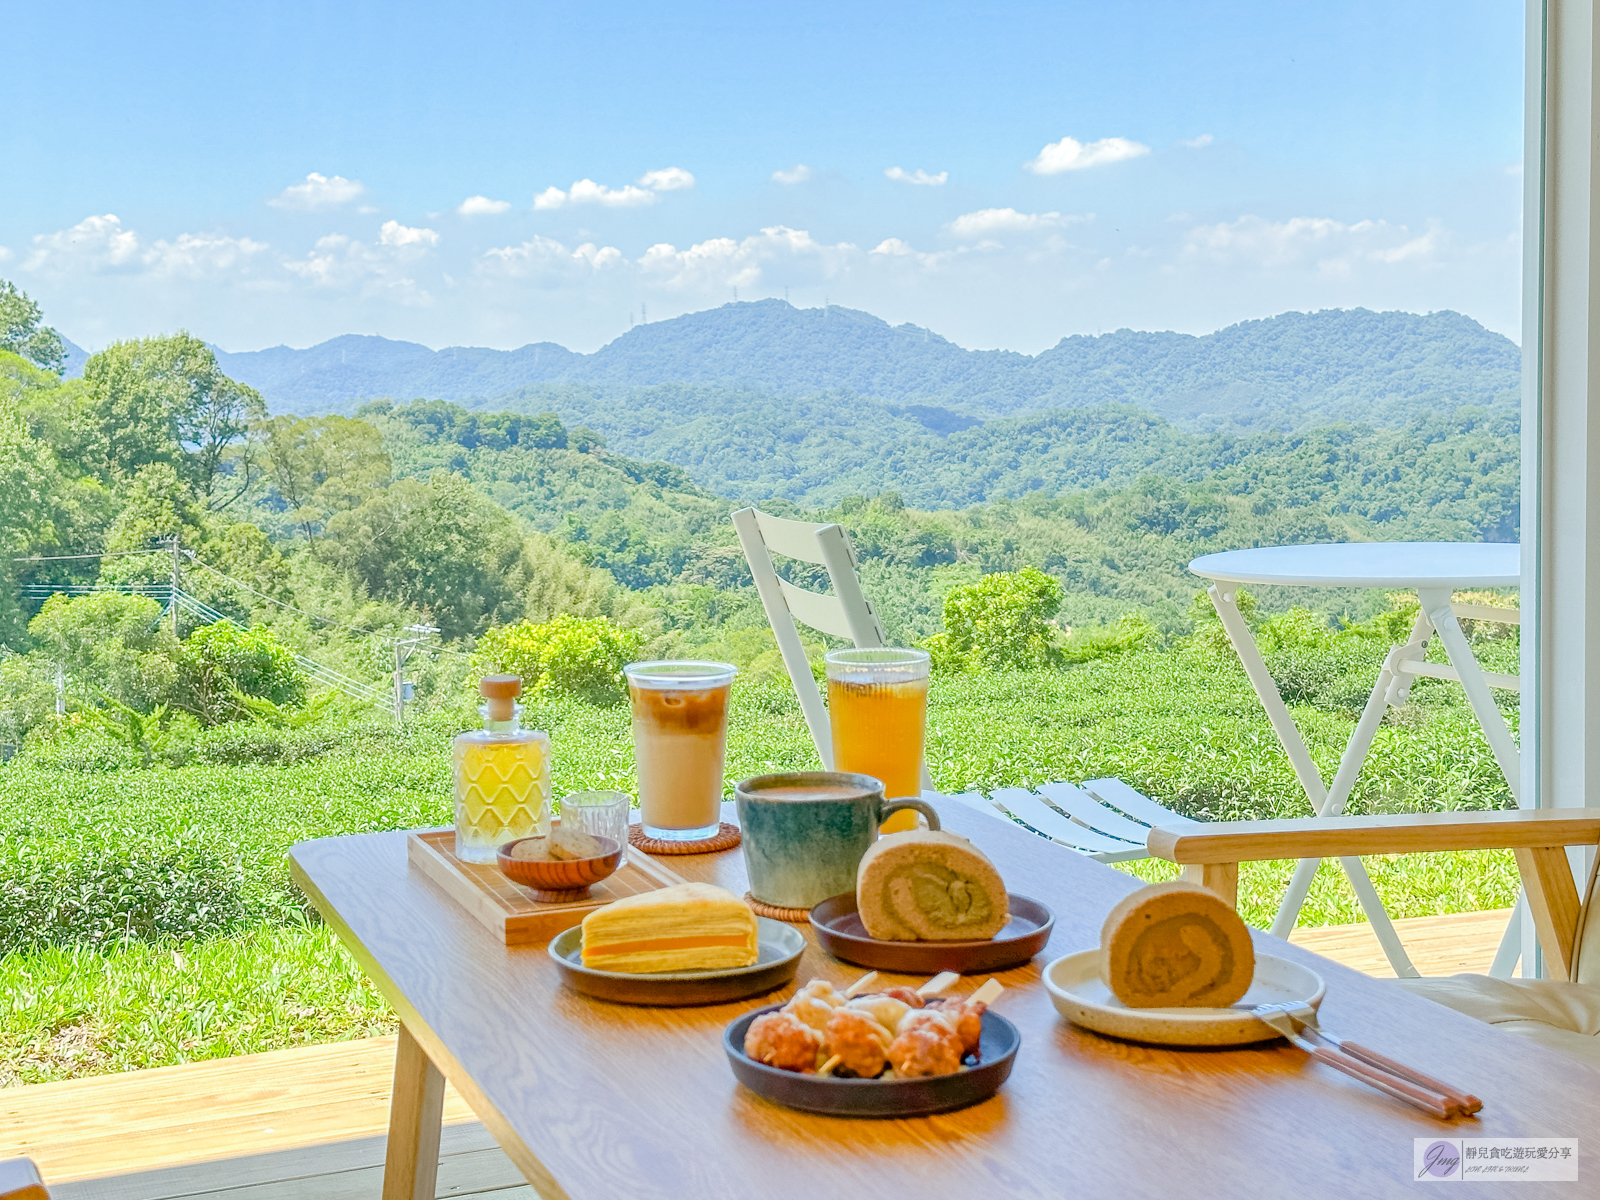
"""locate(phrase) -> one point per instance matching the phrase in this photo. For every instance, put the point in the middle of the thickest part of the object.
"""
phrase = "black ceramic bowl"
(838, 927)
(878, 1097)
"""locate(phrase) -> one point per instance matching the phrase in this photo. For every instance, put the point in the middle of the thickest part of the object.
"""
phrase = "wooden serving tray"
(508, 910)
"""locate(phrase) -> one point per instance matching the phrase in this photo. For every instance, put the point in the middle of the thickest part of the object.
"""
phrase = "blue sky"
(289, 172)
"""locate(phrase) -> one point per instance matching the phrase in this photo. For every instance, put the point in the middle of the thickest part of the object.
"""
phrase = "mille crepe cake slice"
(926, 885)
(1176, 945)
(690, 927)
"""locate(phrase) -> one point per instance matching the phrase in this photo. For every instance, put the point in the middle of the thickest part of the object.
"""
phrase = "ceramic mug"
(804, 832)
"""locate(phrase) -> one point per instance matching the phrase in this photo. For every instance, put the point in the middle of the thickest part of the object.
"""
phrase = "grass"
(256, 971)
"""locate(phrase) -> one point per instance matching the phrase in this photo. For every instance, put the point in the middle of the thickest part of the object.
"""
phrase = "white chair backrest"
(846, 613)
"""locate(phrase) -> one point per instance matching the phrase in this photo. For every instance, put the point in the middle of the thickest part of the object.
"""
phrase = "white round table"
(1434, 570)
(1453, 565)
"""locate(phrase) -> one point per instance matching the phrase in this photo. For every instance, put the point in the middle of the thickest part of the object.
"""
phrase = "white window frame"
(1560, 715)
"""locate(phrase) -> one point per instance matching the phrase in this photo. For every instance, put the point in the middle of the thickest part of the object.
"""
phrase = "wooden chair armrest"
(19, 1180)
(1404, 833)
(1211, 854)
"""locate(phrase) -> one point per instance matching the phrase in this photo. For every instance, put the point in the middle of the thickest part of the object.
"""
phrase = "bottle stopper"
(501, 691)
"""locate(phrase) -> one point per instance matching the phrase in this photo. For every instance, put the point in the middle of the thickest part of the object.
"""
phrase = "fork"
(1406, 1088)
(1456, 1098)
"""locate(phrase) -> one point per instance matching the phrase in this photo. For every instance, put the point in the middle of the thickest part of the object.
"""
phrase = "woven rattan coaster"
(762, 909)
(726, 839)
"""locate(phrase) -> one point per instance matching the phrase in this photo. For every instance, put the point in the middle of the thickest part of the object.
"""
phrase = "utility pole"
(403, 650)
(644, 313)
(175, 585)
(61, 690)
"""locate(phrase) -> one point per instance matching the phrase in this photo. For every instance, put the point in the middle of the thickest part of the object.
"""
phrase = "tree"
(165, 400)
(30, 496)
(1002, 621)
(226, 662)
(112, 645)
(22, 331)
(439, 546)
(569, 655)
(158, 507)
(323, 465)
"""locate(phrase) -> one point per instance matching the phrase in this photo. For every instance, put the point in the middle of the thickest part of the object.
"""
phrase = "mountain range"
(1280, 373)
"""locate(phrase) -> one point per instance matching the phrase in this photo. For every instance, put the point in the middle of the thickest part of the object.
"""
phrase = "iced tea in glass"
(878, 711)
(680, 737)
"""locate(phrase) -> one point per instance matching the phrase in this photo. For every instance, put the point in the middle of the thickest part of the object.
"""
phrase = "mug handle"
(890, 807)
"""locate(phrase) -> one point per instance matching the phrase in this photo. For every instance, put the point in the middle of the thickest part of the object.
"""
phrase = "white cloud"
(100, 244)
(393, 233)
(201, 255)
(919, 177)
(798, 173)
(479, 206)
(1069, 154)
(893, 247)
(587, 191)
(319, 191)
(5, 253)
(598, 258)
(373, 270)
(94, 243)
(1006, 220)
(548, 258)
(668, 179)
(724, 262)
(1333, 247)
(1198, 143)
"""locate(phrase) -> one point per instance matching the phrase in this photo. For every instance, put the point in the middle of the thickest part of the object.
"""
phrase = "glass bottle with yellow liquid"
(878, 712)
(502, 775)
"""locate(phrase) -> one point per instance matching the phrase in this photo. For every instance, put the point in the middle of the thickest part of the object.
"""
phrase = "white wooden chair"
(1102, 818)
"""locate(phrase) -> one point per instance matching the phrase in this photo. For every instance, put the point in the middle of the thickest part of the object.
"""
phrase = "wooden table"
(598, 1100)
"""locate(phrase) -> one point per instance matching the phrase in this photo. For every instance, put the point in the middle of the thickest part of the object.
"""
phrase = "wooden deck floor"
(308, 1124)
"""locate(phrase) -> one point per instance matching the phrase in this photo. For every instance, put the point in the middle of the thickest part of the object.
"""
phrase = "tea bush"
(110, 890)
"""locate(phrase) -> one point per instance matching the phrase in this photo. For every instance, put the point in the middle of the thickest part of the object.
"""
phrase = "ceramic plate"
(780, 946)
(1081, 997)
(841, 934)
(878, 1097)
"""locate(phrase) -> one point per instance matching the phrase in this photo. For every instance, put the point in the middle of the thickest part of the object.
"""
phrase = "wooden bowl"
(568, 879)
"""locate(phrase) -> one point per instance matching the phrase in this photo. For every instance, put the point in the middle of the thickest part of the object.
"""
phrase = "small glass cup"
(878, 713)
(600, 814)
(680, 739)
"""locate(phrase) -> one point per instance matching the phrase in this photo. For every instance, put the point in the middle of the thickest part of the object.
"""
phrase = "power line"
(274, 600)
(65, 557)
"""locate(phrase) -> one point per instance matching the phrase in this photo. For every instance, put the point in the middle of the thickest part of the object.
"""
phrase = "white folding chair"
(1102, 818)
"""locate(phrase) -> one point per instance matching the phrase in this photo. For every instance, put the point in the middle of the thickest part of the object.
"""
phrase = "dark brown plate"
(842, 935)
(779, 947)
(878, 1097)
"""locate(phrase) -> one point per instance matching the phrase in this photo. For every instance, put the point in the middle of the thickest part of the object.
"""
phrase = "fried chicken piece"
(858, 1040)
(930, 1047)
(810, 1010)
(821, 989)
(905, 995)
(885, 1010)
(783, 1040)
(968, 1018)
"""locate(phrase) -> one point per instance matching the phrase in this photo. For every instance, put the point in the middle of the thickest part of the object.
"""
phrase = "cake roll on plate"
(690, 927)
(929, 886)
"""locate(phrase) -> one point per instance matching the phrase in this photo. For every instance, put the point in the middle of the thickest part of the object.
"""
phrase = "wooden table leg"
(416, 1114)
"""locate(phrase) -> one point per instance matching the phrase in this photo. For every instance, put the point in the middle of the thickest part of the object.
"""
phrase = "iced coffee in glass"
(878, 711)
(680, 737)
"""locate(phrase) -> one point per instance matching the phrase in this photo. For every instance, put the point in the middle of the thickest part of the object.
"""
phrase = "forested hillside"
(1285, 372)
(202, 607)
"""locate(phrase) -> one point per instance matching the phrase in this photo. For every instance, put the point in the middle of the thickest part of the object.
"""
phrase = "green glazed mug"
(804, 832)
